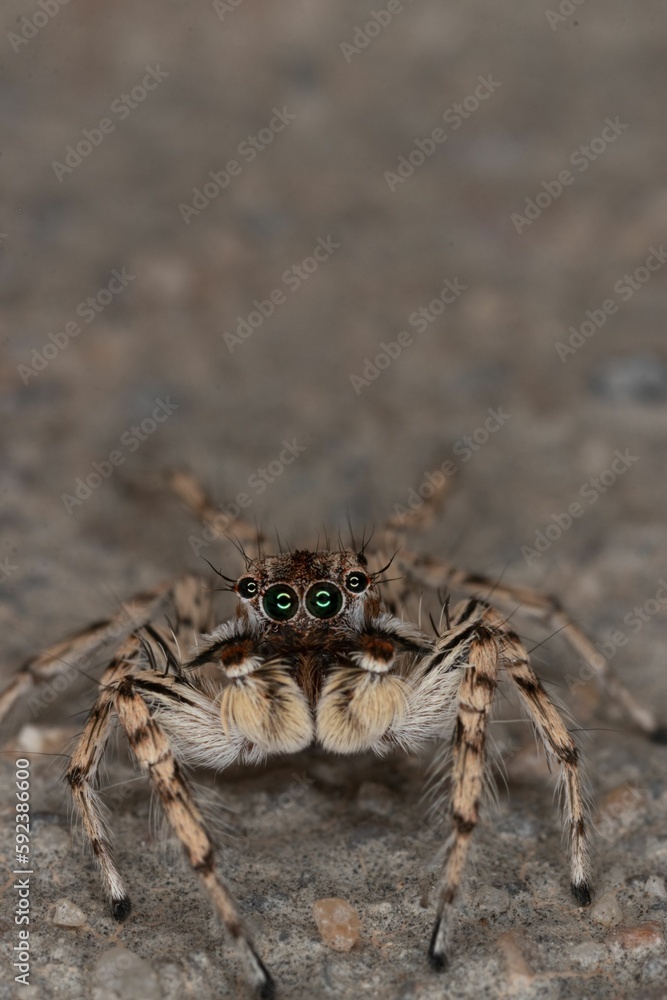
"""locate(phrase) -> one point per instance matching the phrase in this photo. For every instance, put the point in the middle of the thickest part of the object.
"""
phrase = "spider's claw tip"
(659, 735)
(582, 893)
(121, 908)
(267, 990)
(436, 955)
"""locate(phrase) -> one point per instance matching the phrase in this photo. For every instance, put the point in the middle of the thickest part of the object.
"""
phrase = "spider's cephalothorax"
(310, 655)
(314, 654)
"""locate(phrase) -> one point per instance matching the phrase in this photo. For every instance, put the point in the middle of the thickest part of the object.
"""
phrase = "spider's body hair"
(315, 654)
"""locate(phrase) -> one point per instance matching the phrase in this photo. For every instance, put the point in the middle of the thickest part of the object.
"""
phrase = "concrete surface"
(316, 827)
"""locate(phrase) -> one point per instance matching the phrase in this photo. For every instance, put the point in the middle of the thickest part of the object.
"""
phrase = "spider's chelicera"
(318, 652)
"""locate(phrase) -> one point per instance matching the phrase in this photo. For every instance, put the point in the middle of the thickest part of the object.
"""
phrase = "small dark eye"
(356, 582)
(280, 602)
(324, 600)
(247, 587)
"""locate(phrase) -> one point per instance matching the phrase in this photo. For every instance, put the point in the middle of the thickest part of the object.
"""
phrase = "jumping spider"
(316, 653)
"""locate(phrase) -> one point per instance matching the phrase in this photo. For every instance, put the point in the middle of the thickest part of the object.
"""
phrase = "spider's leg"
(391, 537)
(151, 645)
(82, 777)
(420, 516)
(189, 615)
(474, 700)
(191, 492)
(560, 745)
(128, 691)
(78, 648)
(152, 750)
(440, 575)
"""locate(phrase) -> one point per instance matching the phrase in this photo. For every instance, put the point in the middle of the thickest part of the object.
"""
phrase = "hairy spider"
(315, 653)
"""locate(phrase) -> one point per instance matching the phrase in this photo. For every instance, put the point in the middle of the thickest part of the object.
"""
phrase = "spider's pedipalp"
(363, 696)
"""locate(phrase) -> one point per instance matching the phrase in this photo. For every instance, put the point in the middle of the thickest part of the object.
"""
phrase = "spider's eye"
(280, 602)
(356, 582)
(324, 600)
(247, 587)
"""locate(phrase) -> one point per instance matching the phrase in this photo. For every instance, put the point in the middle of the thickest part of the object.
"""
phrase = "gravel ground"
(499, 168)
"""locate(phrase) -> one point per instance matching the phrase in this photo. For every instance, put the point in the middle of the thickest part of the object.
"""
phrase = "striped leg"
(216, 520)
(153, 752)
(82, 777)
(437, 575)
(150, 646)
(560, 746)
(199, 722)
(480, 644)
(77, 649)
(397, 592)
(475, 698)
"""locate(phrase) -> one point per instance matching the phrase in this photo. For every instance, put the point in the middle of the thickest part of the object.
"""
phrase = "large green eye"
(280, 602)
(324, 600)
(247, 587)
(356, 582)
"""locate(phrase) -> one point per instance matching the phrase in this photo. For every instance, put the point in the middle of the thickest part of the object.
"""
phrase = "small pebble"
(636, 939)
(606, 911)
(337, 922)
(655, 886)
(66, 914)
(513, 945)
(588, 955)
(43, 739)
(655, 970)
(119, 974)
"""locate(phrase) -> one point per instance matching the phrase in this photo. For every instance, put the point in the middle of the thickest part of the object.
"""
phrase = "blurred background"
(392, 236)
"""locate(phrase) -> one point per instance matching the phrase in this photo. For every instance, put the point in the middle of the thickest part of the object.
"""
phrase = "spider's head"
(305, 589)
